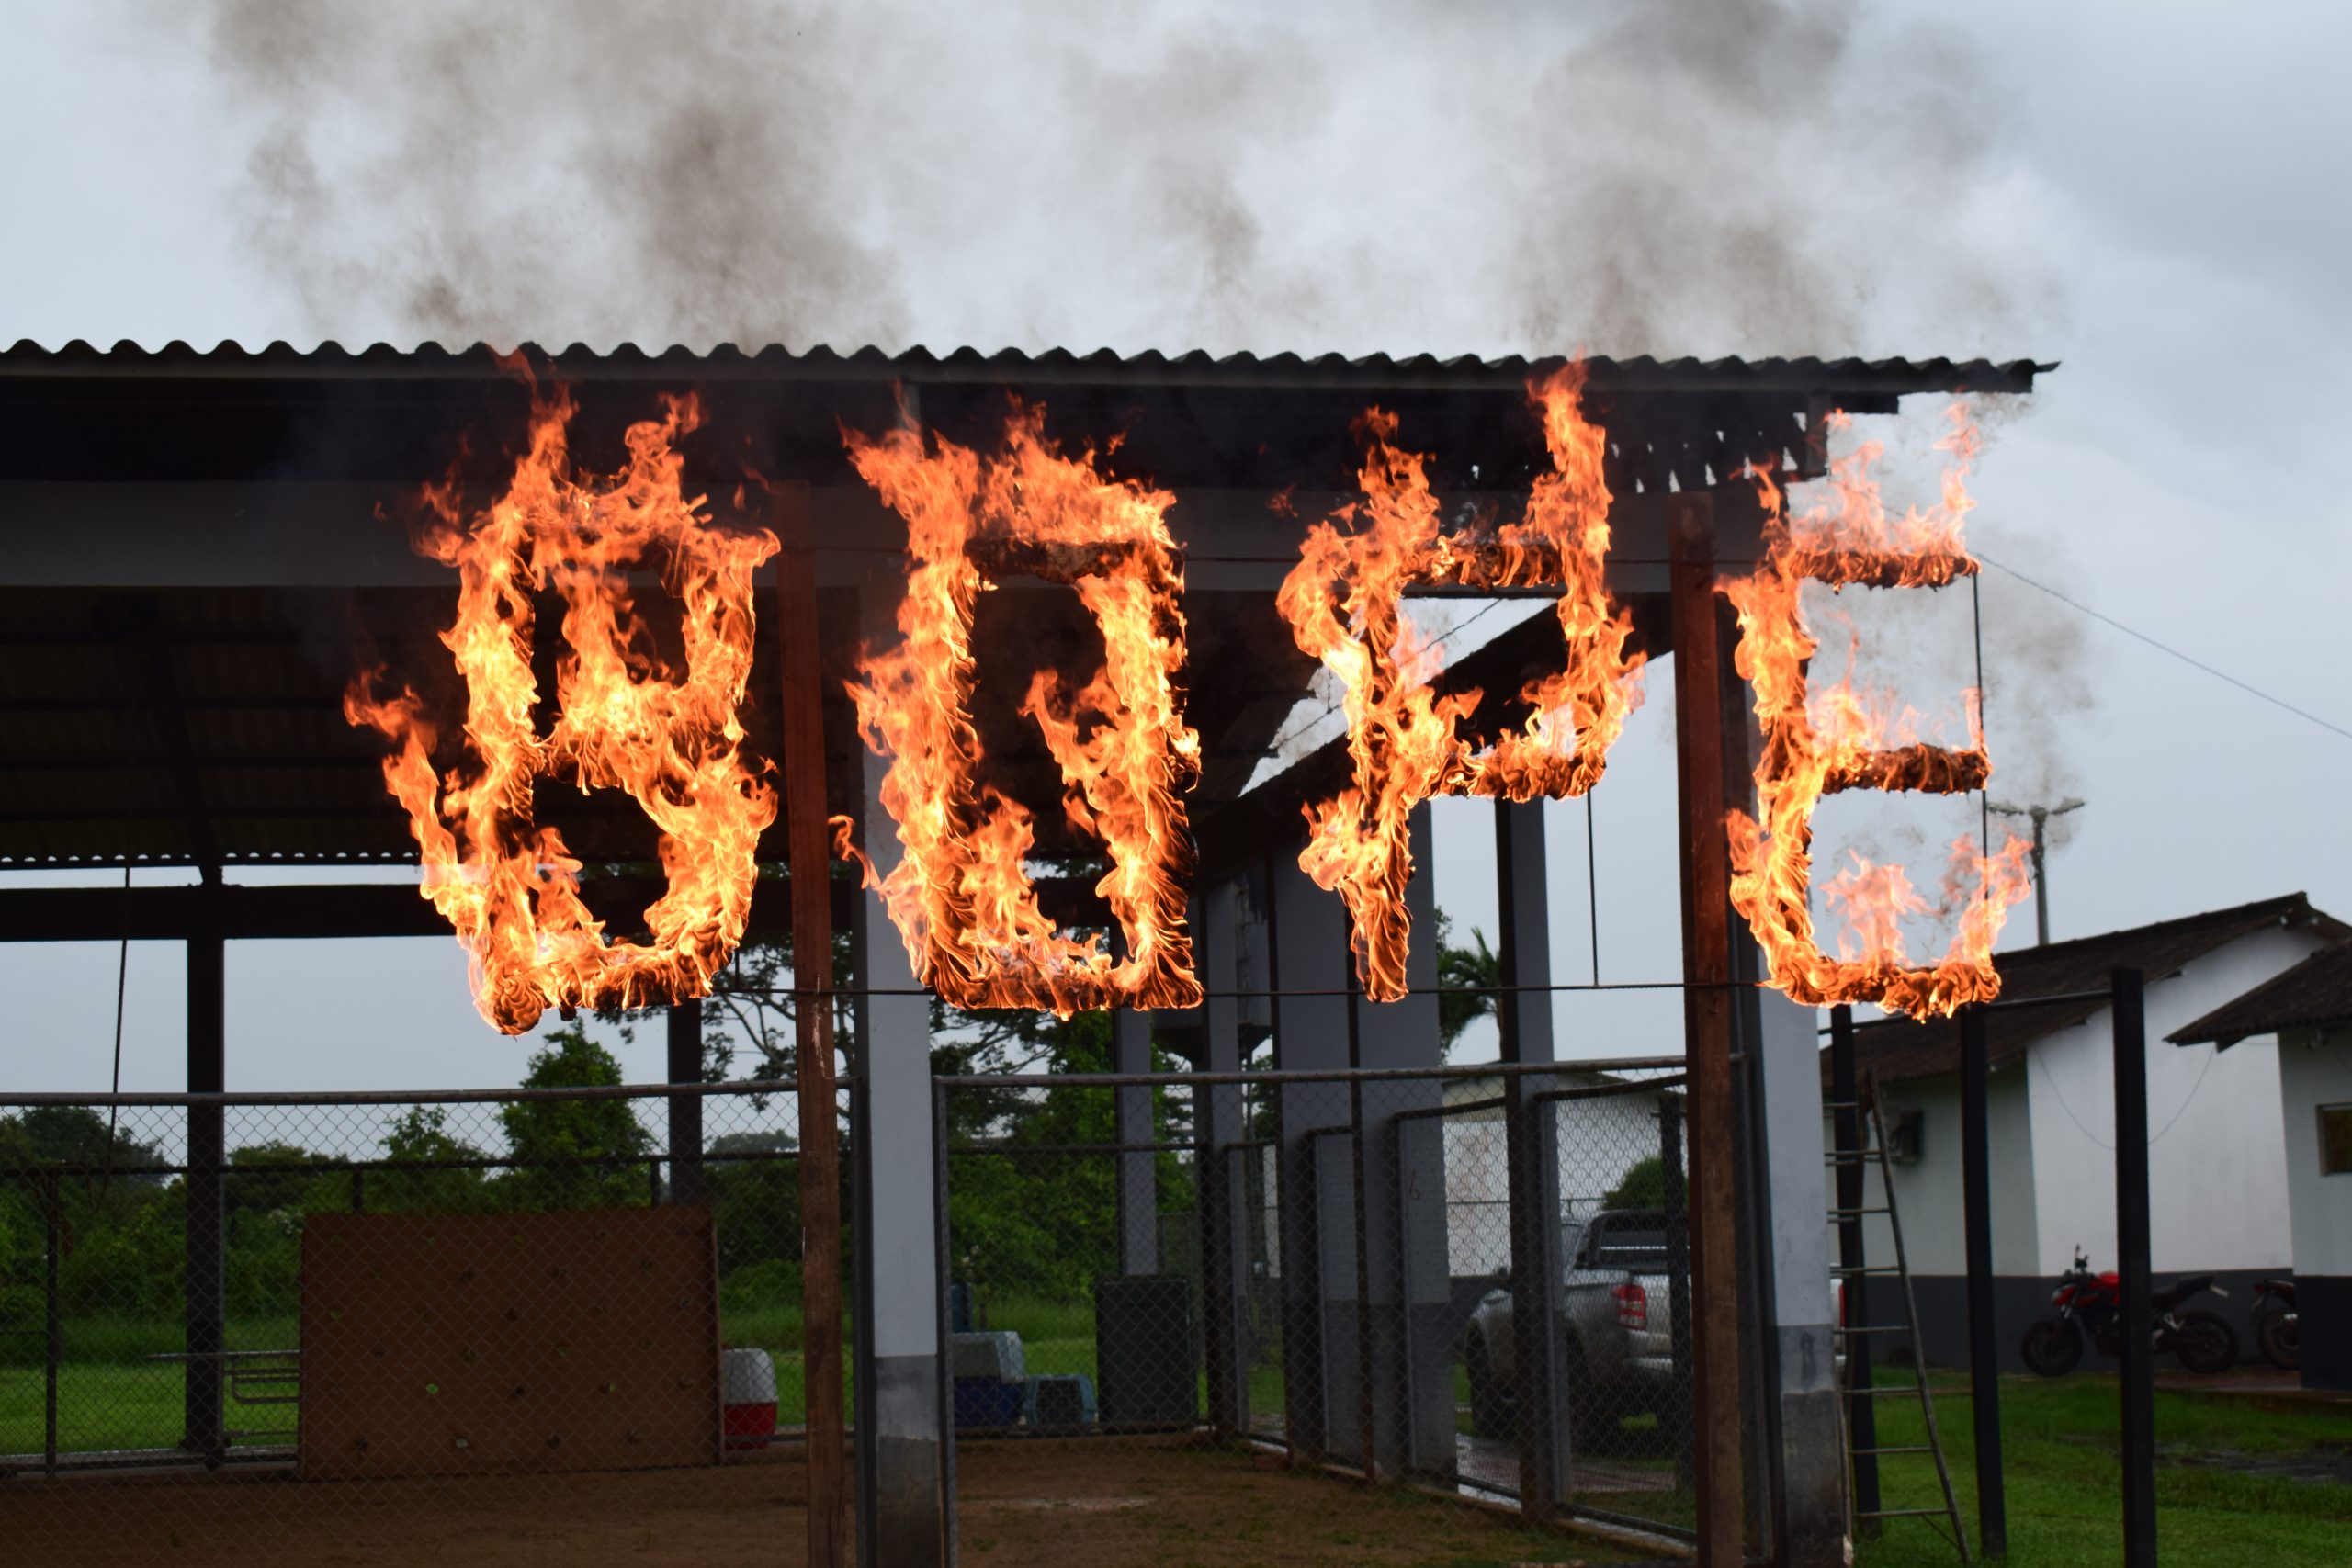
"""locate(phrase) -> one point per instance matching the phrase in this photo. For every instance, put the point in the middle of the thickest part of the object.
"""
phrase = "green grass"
(2059, 1442)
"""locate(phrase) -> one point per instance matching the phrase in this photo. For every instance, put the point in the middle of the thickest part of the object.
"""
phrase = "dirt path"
(1041, 1504)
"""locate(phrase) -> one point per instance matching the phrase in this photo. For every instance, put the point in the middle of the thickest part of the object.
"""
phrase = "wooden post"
(811, 855)
(1706, 972)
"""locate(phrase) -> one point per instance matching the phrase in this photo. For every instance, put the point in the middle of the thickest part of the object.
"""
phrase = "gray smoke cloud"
(1702, 176)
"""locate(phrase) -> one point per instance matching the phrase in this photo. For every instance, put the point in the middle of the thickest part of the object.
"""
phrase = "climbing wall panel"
(480, 1344)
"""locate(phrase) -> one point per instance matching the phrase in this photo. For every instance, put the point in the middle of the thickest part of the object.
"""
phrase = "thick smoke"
(1651, 175)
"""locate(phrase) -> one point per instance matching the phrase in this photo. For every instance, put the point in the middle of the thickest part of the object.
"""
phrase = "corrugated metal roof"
(1896, 1049)
(2315, 994)
(628, 362)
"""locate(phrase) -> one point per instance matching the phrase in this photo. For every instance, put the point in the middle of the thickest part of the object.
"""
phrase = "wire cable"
(2190, 659)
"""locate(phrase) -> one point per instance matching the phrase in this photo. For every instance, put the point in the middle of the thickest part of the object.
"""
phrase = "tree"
(1468, 978)
(420, 1135)
(550, 1137)
(1642, 1187)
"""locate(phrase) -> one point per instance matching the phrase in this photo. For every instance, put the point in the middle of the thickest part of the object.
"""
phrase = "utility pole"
(2040, 816)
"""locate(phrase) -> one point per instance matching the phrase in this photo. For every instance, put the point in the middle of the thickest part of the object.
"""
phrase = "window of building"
(2336, 1140)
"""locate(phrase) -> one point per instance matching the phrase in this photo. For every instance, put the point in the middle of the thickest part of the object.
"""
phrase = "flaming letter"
(961, 896)
(1344, 602)
(1836, 740)
(625, 721)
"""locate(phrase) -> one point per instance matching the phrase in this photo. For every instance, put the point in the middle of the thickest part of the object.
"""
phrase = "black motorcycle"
(2274, 1323)
(2092, 1305)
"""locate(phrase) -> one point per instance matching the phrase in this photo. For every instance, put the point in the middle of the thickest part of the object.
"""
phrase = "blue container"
(1060, 1401)
(985, 1402)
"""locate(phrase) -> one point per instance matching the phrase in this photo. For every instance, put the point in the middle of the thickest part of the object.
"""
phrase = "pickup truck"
(1616, 1310)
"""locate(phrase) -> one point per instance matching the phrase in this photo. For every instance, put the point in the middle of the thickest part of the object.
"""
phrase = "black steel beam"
(1984, 1351)
(2133, 1249)
(239, 913)
(205, 1217)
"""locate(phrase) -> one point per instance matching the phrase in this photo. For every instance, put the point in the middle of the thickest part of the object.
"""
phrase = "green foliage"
(420, 1136)
(1642, 1187)
(1459, 969)
(575, 1130)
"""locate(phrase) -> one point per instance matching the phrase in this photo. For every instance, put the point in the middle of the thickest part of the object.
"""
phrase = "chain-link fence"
(1478, 1277)
(464, 1285)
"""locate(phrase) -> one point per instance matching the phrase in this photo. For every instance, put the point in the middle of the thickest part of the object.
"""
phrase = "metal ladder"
(1853, 1339)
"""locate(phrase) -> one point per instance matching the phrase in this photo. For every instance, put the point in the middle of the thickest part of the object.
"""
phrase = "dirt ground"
(1040, 1505)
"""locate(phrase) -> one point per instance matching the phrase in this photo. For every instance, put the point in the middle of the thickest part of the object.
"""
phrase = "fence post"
(1983, 1340)
(54, 1327)
(1677, 1283)
(1523, 1014)
(1217, 1124)
(684, 1042)
(1137, 1188)
(206, 1276)
(2132, 1263)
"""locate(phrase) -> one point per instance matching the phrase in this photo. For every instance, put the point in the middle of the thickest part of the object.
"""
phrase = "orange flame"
(1344, 600)
(961, 894)
(626, 721)
(1817, 743)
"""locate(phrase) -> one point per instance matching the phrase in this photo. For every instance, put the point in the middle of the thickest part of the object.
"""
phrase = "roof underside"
(193, 715)
(2076, 976)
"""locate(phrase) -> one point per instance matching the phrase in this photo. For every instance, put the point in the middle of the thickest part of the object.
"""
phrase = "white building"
(2302, 1020)
(2218, 1172)
(1609, 1127)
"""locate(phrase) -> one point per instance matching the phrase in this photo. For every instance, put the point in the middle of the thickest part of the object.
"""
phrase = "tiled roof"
(629, 361)
(1899, 1048)
(2313, 994)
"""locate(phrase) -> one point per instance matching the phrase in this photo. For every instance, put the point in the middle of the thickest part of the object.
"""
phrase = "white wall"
(2315, 1069)
(1600, 1140)
(2217, 1174)
(1928, 1195)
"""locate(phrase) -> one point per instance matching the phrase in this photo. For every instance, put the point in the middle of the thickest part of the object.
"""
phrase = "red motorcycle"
(2091, 1307)
(2274, 1323)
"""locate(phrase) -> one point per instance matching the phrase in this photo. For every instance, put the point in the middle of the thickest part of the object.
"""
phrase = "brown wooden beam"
(809, 848)
(1706, 972)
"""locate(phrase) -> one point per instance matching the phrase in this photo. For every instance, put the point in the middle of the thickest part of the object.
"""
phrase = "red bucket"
(747, 1383)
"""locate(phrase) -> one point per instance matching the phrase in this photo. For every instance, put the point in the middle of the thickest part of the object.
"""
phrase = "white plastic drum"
(747, 1388)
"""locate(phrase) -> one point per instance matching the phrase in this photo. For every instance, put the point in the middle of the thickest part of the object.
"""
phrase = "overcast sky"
(2155, 194)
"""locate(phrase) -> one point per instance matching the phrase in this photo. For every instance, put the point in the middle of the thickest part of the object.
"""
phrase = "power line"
(2166, 648)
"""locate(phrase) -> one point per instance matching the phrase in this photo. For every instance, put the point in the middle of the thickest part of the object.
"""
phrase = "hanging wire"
(1276, 991)
(121, 987)
(1592, 887)
(1985, 793)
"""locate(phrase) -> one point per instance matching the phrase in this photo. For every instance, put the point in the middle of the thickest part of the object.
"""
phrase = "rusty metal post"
(683, 1038)
(810, 857)
(1706, 972)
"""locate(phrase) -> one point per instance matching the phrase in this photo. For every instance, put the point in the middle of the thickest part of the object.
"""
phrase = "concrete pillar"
(1786, 1138)
(1387, 1318)
(1409, 1293)
(686, 1110)
(1306, 951)
(1225, 1253)
(906, 1504)
(206, 1318)
(1139, 1188)
(1530, 1142)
